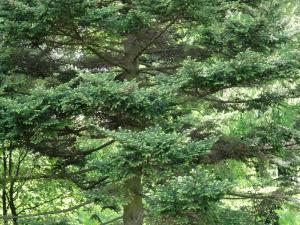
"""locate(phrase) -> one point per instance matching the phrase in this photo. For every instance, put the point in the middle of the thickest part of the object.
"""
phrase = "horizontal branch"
(85, 153)
(111, 221)
(56, 176)
(42, 203)
(164, 69)
(260, 99)
(278, 195)
(54, 212)
(105, 58)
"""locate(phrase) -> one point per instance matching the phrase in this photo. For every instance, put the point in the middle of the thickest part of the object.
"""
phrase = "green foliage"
(289, 216)
(187, 198)
(234, 217)
(154, 148)
(234, 171)
(166, 81)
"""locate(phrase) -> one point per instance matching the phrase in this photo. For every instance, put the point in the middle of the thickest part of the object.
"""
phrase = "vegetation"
(149, 112)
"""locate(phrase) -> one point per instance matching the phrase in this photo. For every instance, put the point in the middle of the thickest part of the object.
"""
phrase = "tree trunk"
(262, 166)
(4, 204)
(133, 212)
(4, 208)
(11, 202)
(14, 213)
(12, 206)
(131, 63)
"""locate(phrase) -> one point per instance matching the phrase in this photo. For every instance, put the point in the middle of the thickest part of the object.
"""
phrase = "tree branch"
(50, 212)
(85, 153)
(156, 37)
(41, 204)
(53, 176)
(111, 221)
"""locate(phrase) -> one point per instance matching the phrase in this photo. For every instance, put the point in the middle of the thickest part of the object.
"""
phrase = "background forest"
(154, 112)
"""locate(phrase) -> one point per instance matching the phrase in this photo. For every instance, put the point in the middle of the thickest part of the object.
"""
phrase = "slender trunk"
(11, 202)
(133, 212)
(4, 207)
(4, 203)
(13, 212)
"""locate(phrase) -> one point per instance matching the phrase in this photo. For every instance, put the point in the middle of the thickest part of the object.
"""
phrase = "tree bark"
(133, 212)
(4, 203)
(13, 212)
(131, 63)
(4, 208)
(11, 202)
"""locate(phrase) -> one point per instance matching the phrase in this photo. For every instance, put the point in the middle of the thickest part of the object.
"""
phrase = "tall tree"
(116, 82)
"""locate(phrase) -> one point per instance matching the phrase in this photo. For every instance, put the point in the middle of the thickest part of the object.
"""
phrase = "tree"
(115, 85)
